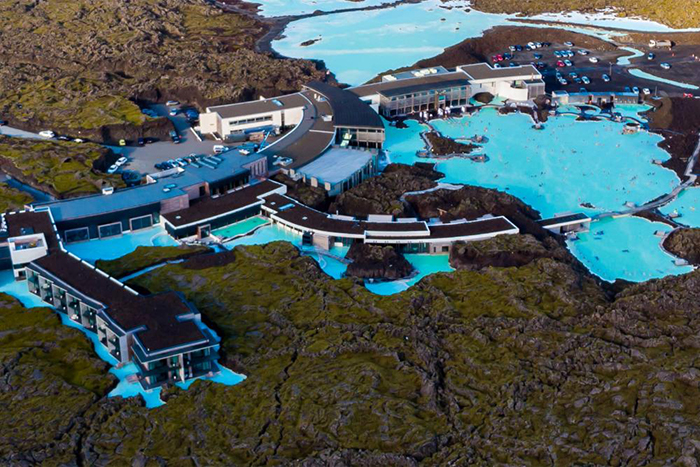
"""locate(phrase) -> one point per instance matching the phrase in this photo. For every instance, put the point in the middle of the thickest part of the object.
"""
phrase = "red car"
(499, 57)
(560, 63)
(687, 95)
(494, 59)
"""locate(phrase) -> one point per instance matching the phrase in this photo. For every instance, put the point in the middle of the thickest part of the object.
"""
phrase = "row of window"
(428, 93)
(108, 230)
(244, 121)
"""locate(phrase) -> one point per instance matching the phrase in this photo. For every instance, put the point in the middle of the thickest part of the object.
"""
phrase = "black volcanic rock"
(377, 262)
(684, 243)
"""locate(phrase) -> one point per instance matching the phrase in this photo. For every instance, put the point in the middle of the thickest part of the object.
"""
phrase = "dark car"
(63, 138)
(140, 142)
(174, 136)
(3, 123)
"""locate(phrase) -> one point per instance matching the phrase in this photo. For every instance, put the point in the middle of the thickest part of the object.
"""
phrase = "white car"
(218, 149)
(665, 66)
(172, 103)
(112, 168)
(47, 134)
(635, 90)
(569, 44)
(245, 152)
(606, 78)
(78, 140)
(121, 161)
(593, 60)
(583, 52)
(646, 91)
(585, 80)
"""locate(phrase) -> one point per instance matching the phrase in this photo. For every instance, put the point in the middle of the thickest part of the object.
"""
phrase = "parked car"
(219, 148)
(606, 78)
(181, 162)
(560, 63)
(568, 63)
(583, 90)
(499, 58)
(635, 90)
(563, 82)
(121, 161)
(497, 65)
(63, 138)
(78, 140)
(245, 152)
(3, 123)
(583, 52)
(174, 136)
(173, 112)
(651, 56)
(665, 66)
(192, 114)
(140, 141)
(627, 89)
(593, 60)
(112, 168)
(569, 44)
(513, 64)
(573, 75)
(538, 56)
(585, 79)
(518, 48)
(172, 103)
(47, 134)
(687, 95)
(122, 142)
(578, 80)
(646, 91)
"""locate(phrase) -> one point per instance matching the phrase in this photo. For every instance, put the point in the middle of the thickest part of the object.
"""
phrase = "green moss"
(61, 168)
(145, 256)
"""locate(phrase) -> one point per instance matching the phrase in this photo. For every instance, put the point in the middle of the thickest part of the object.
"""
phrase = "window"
(110, 230)
(138, 223)
(77, 235)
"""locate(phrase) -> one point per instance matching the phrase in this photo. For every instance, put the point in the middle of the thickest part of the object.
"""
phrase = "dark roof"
(348, 109)
(401, 86)
(158, 313)
(467, 229)
(36, 221)
(420, 87)
(207, 207)
(579, 216)
(242, 109)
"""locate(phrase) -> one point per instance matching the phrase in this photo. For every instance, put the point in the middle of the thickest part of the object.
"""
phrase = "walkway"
(666, 199)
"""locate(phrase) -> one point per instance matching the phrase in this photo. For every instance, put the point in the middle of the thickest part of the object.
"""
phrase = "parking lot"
(606, 63)
(142, 159)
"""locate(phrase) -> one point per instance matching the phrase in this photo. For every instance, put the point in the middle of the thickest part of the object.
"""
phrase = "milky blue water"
(554, 170)
(625, 248)
(643, 74)
(357, 46)
(424, 265)
(274, 232)
(625, 60)
(271, 8)
(115, 247)
(688, 206)
(240, 228)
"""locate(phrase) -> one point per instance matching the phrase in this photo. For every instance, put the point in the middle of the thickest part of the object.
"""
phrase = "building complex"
(323, 135)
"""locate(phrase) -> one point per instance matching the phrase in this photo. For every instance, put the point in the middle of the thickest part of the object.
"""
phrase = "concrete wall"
(174, 204)
(209, 123)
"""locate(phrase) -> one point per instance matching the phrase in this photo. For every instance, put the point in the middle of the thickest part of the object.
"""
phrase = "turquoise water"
(625, 248)
(240, 228)
(357, 46)
(626, 59)
(554, 170)
(424, 264)
(112, 248)
(275, 232)
(643, 74)
(18, 289)
(271, 8)
(224, 376)
(688, 206)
